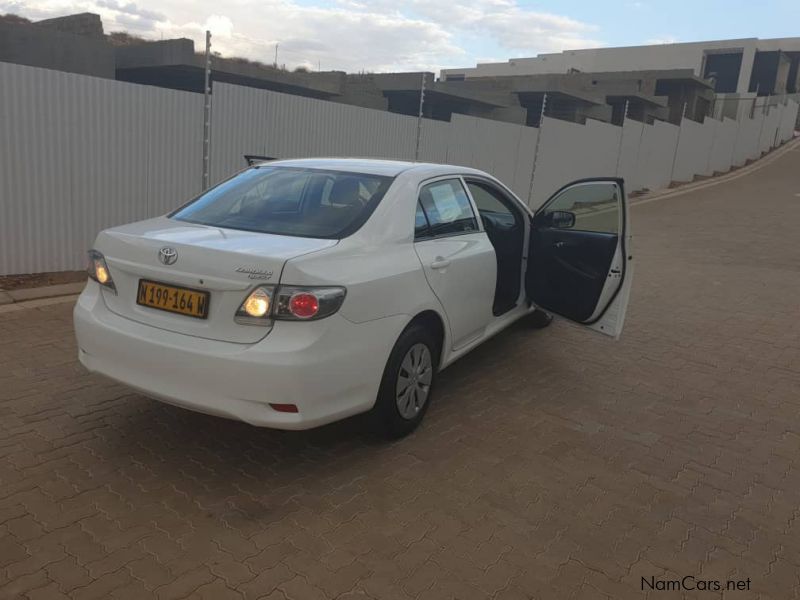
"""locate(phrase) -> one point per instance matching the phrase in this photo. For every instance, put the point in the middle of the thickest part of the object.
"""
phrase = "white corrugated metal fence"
(79, 154)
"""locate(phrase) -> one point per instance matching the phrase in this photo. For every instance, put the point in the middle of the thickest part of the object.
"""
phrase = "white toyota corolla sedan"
(300, 292)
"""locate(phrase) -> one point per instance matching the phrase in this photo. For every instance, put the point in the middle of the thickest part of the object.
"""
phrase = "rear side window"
(290, 201)
(447, 208)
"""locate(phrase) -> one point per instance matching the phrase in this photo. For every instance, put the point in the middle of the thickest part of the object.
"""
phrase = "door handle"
(559, 244)
(440, 263)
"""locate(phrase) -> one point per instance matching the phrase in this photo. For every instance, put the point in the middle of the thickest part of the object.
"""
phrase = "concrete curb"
(50, 291)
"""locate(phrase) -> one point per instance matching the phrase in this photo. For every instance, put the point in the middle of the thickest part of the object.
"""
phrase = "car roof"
(371, 166)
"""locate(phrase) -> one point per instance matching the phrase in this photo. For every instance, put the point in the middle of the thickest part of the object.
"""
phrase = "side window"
(486, 199)
(585, 207)
(420, 223)
(447, 208)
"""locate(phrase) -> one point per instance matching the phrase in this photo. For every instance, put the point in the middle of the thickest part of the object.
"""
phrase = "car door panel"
(581, 270)
(457, 257)
(570, 270)
(461, 271)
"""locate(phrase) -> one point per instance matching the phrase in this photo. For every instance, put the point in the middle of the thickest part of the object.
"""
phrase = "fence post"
(780, 122)
(678, 143)
(622, 135)
(207, 114)
(419, 116)
(536, 148)
(764, 112)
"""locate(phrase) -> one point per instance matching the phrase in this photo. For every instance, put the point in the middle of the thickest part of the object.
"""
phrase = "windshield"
(289, 201)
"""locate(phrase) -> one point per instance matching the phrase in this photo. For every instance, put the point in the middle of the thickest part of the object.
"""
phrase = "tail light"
(301, 303)
(98, 270)
(289, 303)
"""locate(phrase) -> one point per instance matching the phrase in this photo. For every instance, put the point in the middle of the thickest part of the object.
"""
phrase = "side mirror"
(560, 219)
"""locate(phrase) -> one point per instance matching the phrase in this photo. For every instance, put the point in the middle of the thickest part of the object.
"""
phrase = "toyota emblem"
(168, 255)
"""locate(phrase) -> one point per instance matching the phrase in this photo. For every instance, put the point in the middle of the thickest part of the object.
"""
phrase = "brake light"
(304, 305)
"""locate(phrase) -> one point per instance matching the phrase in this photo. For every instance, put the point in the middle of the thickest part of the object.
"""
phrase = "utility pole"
(419, 116)
(536, 148)
(276, 56)
(207, 114)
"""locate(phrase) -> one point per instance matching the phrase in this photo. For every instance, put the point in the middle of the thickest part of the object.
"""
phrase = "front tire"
(407, 384)
(539, 319)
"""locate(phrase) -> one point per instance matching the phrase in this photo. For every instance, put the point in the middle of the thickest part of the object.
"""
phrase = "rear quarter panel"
(377, 264)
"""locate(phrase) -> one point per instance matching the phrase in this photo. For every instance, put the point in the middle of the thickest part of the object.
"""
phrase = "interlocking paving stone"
(553, 463)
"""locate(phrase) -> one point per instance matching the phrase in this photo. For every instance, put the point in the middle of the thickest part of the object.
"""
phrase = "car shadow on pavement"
(209, 460)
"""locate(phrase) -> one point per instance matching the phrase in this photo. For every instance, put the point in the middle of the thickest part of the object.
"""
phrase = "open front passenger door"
(579, 255)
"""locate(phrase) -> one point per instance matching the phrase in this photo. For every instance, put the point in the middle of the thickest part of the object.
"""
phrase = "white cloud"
(351, 35)
(664, 39)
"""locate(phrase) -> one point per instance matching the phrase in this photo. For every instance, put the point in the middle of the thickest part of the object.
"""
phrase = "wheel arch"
(433, 322)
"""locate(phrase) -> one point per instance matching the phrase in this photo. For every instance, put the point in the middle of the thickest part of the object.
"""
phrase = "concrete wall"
(634, 58)
(40, 46)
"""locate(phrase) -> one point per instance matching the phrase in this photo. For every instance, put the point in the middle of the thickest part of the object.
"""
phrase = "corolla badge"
(254, 273)
(168, 255)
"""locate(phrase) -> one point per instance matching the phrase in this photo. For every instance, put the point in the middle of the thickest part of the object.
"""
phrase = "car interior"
(573, 243)
(290, 201)
(505, 227)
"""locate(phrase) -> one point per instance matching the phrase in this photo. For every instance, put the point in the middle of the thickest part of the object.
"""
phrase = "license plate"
(184, 301)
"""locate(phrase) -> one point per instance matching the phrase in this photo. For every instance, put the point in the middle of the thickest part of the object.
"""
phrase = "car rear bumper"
(330, 369)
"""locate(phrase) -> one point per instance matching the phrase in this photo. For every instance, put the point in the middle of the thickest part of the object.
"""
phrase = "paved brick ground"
(554, 464)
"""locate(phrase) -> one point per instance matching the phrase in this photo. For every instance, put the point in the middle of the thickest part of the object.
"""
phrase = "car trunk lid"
(226, 263)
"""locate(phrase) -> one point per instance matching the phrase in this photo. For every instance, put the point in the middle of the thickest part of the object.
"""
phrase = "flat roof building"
(736, 66)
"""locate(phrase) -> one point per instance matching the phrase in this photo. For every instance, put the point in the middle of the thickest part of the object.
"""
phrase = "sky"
(410, 35)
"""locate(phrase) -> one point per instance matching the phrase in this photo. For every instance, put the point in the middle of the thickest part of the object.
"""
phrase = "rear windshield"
(289, 201)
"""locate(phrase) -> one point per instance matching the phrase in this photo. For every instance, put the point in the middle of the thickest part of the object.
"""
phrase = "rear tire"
(407, 384)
